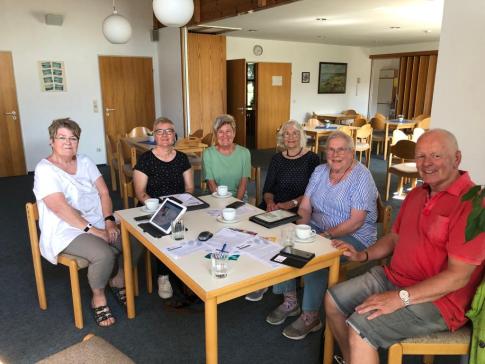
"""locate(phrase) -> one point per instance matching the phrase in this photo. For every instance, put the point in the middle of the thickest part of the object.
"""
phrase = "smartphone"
(143, 217)
(235, 204)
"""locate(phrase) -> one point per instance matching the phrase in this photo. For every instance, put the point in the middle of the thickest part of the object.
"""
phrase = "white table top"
(198, 268)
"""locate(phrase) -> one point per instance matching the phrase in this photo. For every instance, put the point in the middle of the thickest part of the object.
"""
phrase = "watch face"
(257, 50)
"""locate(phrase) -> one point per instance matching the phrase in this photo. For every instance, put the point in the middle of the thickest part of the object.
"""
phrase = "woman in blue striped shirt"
(339, 202)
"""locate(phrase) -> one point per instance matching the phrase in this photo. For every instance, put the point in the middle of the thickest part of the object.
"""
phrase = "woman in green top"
(227, 163)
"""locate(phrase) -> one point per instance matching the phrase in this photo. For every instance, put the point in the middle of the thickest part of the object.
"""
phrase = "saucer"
(144, 209)
(233, 221)
(310, 239)
(215, 194)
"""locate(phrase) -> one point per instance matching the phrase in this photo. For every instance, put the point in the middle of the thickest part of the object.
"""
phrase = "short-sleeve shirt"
(227, 169)
(79, 191)
(164, 178)
(332, 204)
(287, 178)
(431, 229)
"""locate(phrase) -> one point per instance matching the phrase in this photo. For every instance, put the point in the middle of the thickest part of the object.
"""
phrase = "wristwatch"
(110, 218)
(295, 202)
(404, 296)
(88, 226)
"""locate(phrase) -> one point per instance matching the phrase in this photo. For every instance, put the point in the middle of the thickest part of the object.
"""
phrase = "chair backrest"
(359, 122)
(349, 112)
(126, 154)
(417, 132)
(139, 131)
(398, 135)
(424, 124)
(312, 122)
(208, 139)
(378, 123)
(345, 129)
(384, 215)
(111, 149)
(364, 132)
(199, 133)
(403, 149)
(256, 178)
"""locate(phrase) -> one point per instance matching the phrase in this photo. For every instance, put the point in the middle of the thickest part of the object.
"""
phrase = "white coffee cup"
(304, 231)
(151, 204)
(229, 214)
(222, 190)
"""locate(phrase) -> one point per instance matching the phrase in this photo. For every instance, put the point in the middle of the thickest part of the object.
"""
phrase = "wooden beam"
(405, 54)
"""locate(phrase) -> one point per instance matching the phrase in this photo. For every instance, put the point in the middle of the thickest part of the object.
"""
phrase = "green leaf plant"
(476, 220)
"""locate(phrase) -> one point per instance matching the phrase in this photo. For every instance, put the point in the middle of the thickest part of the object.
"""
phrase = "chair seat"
(81, 262)
(461, 336)
(361, 146)
(408, 168)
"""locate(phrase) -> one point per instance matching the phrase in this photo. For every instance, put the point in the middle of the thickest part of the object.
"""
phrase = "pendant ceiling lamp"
(173, 13)
(116, 28)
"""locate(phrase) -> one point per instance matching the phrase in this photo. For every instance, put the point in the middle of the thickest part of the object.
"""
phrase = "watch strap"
(110, 218)
(88, 227)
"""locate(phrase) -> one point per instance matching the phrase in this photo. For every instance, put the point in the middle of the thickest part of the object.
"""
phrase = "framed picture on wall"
(305, 77)
(332, 78)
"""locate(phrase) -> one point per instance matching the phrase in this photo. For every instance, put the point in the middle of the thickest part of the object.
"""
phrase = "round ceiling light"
(116, 28)
(173, 13)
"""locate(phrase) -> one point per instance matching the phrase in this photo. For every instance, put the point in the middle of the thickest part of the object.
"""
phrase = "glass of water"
(219, 264)
(178, 229)
(287, 236)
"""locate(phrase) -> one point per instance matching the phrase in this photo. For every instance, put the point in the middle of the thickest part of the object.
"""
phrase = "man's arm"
(454, 277)
(381, 249)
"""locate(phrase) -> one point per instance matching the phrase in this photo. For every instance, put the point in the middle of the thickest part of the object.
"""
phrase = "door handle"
(13, 114)
(241, 108)
(108, 110)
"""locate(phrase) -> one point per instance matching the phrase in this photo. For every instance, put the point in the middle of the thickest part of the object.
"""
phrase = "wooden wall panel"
(421, 86)
(206, 56)
(428, 99)
(401, 84)
(414, 82)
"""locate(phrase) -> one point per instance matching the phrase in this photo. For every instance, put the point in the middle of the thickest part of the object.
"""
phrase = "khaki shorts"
(414, 320)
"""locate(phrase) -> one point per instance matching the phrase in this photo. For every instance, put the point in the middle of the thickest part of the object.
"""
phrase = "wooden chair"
(384, 218)
(363, 142)
(417, 132)
(197, 134)
(398, 135)
(424, 124)
(112, 154)
(72, 262)
(208, 139)
(350, 112)
(93, 349)
(359, 122)
(406, 168)
(126, 162)
(379, 126)
(139, 131)
(256, 179)
(322, 141)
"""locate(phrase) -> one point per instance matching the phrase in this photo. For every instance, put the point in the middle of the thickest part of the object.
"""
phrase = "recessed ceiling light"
(321, 19)
(427, 31)
(394, 27)
(321, 36)
(252, 30)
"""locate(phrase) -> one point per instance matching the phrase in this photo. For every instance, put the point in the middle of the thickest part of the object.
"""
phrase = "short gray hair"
(222, 120)
(340, 134)
(162, 120)
(280, 135)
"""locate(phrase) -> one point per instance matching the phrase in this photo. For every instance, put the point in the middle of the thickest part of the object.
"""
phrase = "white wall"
(170, 69)
(305, 57)
(377, 66)
(460, 81)
(78, 42)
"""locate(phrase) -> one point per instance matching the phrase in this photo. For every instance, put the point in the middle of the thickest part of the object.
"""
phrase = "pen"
(223, 248)
(170, 249)
(244, 246)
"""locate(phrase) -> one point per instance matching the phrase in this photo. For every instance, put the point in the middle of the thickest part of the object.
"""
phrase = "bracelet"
(88, 226)
(110, 218)
(366, 257)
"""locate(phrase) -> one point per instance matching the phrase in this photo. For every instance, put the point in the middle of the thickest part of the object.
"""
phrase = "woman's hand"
(288, 205)
(349, 251)
(271, 206)
(112, 231)
(100, 233)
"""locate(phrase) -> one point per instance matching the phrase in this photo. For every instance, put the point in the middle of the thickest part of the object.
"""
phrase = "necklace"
(293, 156)
(345, 172)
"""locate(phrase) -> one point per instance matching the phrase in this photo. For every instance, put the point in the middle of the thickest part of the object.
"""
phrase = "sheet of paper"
(184, 248)
(186, 199)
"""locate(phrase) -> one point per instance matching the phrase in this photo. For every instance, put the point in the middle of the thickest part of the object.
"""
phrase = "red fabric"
(430, 230)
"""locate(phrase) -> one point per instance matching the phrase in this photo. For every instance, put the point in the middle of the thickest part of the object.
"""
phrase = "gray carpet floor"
(158, 334)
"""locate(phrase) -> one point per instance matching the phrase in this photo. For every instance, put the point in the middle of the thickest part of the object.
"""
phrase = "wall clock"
(257, 50)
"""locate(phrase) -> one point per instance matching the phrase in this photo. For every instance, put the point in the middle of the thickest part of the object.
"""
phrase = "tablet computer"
(168, 212)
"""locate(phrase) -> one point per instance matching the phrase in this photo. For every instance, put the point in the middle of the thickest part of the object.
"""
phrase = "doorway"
(12, 158)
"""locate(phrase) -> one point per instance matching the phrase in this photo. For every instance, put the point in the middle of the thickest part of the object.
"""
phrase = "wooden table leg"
(130, 299)
(386, 138)
(328, 343)
(211, 331)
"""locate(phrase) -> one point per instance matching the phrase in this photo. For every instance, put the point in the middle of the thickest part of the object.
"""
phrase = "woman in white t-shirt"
(76, 215)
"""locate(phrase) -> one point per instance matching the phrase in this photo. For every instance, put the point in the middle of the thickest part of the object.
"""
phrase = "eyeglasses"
(293, 135)
(64, 139)
(337, 151)
(164, 131)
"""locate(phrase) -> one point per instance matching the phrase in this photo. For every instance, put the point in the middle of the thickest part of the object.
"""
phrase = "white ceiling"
(349, 22)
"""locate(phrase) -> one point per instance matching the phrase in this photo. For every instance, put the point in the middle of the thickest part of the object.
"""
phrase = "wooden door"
(273, 90)
(12, 158)
(127, 93)
(206, 62)
(236, 96)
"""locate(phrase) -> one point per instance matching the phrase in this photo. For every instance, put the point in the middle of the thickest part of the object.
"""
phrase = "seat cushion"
(81, 262)
(361, 146)
(404, 168)
(95, 350)
(461, 336)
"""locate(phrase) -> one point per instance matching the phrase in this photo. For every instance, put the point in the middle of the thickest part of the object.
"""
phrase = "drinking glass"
(219, 264)
(178, 229)
(287, 236)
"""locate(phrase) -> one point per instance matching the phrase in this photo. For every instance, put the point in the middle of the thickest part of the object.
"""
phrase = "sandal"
(120, 295)
(101, 314)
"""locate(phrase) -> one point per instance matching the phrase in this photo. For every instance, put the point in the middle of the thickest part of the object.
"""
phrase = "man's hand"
(381, 304)
(349, 251)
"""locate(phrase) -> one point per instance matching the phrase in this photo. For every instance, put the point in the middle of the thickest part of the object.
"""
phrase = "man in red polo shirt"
(433, 274)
